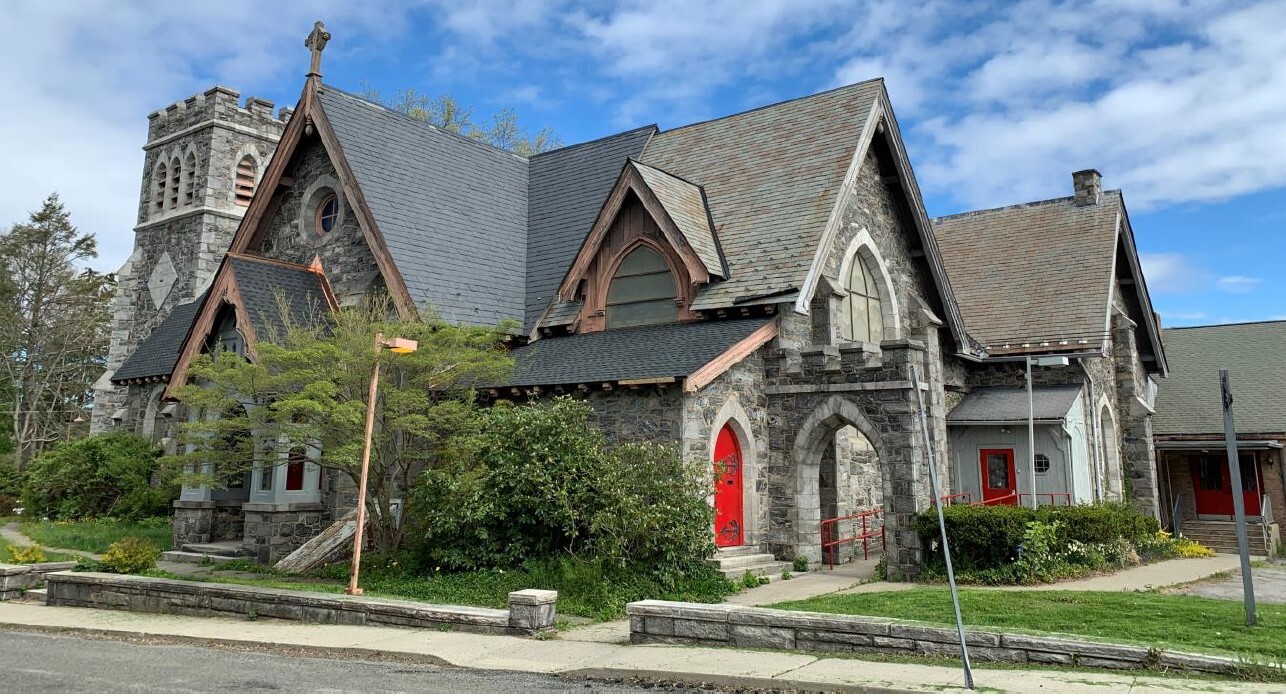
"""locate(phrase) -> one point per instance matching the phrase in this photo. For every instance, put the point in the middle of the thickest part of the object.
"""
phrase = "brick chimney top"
(1088, 185)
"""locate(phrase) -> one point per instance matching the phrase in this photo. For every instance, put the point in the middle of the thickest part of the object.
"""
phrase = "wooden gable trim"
(734, 354)
(222, 290)
(365, 218)
(1125, 242)
(262, 206)
(630, 181)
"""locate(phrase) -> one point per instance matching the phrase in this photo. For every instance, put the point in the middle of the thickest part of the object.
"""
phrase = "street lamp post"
(395, 345)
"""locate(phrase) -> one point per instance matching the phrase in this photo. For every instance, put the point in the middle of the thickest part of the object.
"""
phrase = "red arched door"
(728, 526)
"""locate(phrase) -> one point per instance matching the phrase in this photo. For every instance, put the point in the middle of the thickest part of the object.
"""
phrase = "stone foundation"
(193, 522)
(273, 531)
(16, 579)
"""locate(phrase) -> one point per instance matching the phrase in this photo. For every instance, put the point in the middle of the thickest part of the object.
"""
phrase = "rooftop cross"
(316, 41)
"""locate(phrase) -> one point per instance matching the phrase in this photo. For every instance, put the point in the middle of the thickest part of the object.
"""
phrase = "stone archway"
(814, 446)
(733, 416)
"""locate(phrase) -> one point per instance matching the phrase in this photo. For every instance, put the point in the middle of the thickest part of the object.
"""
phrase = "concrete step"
(734, 551)
(198, 558)
(741, 562)
(771, 571)
(39, 595)
(232, 549)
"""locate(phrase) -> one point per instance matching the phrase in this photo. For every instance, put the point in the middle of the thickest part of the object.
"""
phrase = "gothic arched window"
(863, 319)
(245, 181)
(189, 179)
(176, 171)
(642, 291)
(159, 181)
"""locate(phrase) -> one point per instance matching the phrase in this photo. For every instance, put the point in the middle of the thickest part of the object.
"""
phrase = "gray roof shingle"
(1005, 404)
(686, 205)
(664, 350)
(1033, 272)
(452, 211)
(270, 289)
(1187, 401)
(156, 355)
(771, 177)
(567, 188)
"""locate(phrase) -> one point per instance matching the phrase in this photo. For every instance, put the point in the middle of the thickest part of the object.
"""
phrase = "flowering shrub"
(131, 555)
(23, 556)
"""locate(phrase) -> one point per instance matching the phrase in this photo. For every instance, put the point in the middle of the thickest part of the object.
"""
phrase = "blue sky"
(1182, 105)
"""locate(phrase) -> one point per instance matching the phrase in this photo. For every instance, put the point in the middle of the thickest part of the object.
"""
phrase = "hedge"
(983, 537)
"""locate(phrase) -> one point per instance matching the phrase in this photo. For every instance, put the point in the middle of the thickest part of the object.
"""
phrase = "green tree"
(53, 327)
(444, 111)
(306, 393)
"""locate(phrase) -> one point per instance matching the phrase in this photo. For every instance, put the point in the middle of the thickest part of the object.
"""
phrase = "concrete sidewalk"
(729, 668)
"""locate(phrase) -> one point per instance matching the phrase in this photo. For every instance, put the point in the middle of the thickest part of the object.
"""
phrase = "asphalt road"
(43, 663)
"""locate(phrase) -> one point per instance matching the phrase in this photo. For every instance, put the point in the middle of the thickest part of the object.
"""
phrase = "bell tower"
(203, 159)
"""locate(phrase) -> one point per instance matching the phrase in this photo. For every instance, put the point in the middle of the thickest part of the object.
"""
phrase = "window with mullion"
(642, 291)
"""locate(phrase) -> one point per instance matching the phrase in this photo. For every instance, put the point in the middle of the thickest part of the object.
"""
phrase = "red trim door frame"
(998, 479)
(1212, 485)
(729, 525)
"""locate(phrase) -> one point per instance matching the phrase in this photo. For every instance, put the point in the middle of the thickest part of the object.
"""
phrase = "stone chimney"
(1088, 184)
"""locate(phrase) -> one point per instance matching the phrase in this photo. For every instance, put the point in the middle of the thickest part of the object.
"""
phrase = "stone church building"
(763, 290)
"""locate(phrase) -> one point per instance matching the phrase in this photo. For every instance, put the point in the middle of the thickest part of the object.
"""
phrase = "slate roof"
(156, 355)
(1006, 404)
(1033, 272)
(566, 189)
(1187, 401)
(771, 177)
(262, 283)
(685, 202)
(665, 350)
(453, 211)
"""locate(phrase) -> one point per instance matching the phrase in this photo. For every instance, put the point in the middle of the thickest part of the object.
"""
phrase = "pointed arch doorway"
(729, 522)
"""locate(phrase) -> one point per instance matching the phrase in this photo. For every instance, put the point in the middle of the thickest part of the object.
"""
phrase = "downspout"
(1096, 428)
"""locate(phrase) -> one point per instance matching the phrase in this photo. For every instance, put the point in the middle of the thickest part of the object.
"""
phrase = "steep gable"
(1188, 402)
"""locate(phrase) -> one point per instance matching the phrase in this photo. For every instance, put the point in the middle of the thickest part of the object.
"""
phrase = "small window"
(159, 182)
(863, 319)
(1042, 463)
(327, 214)
(244, 188)
(295, 469)
(642, 291)
(265, 477)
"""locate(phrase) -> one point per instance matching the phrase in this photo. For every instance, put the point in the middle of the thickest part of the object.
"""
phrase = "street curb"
(734, 682)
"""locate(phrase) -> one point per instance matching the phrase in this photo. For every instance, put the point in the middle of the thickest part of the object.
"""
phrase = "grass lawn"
(95, 535)
(584, 589)
(1177, 622)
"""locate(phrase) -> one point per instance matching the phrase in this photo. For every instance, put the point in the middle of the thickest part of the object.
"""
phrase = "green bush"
(130, 555)
(537, 481)
(11, 481)
(988, 538)
(101, 475)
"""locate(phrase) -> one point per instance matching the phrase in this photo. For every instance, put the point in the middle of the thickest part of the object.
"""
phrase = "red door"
(1212, 481)
(727, 490)
(999, 481)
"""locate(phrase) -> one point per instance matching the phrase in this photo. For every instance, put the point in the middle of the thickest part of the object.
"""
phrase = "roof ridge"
(269, 261)
(573, 146)
(667, 173)
(773, 105)
(1252, 322)
(424, 124)
(1015, 206)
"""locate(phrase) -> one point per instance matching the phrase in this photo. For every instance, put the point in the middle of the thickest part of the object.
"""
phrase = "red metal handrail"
(869, 531)
(1066, 497)
(965, 498)
(1011, 499)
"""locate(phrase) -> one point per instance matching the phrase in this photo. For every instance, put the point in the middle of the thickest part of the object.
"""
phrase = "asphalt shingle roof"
(156, 355)
(1033, 272)
(686, 205)
(265, 286)
(664, 350)
(567, 188)
(1006, 404)
(771, 177)
(1188, 400)
(453, 211)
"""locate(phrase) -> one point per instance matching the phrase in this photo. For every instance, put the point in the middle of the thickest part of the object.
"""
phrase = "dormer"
(652, 247)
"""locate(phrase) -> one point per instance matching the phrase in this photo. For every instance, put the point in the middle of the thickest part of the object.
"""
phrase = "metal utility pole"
(942, 524)
(1031, 438)
(1238, 499)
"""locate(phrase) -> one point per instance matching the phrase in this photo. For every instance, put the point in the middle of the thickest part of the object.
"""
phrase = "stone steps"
(1222, 536)
(198, 558)
(735, 561)
(218, 548)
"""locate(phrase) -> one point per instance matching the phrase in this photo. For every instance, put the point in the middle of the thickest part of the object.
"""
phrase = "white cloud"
(1172, 273)
(1238, 284)
(1172, 317)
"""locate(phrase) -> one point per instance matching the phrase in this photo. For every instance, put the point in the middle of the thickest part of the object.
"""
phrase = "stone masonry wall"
(273, 531)
(291, 234)
(652, 413)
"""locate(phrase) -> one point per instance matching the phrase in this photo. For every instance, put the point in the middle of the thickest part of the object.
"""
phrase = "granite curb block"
(655, 621)
(531, 611)
(17, 578)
